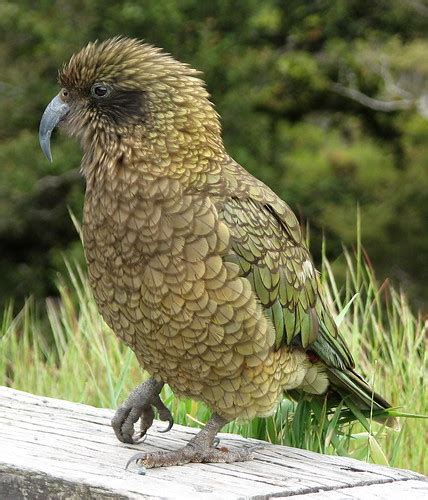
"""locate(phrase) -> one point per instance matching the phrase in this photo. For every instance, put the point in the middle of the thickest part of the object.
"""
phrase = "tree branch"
(370, 102)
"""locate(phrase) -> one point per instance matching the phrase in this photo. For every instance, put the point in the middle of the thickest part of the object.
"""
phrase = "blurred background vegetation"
(325, 101)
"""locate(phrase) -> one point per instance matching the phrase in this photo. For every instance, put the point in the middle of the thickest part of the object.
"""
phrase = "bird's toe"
(123, 423)
(190, 453)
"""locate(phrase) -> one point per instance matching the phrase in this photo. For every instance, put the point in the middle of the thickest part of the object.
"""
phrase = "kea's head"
(123, 89)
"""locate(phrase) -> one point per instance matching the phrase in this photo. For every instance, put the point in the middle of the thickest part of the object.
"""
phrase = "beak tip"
(48, 155)
(45, 146)
(53, 114)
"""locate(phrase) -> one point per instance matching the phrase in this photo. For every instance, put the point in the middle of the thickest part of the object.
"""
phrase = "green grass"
(73, 355)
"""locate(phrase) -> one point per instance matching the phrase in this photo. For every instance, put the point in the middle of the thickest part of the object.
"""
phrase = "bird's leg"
(200, 449)
(140, 405)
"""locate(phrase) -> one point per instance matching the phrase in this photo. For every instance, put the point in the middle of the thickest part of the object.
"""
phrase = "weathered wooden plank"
(403, 490)
(56, 449)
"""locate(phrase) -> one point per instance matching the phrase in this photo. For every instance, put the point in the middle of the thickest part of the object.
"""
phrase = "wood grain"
(51, 448)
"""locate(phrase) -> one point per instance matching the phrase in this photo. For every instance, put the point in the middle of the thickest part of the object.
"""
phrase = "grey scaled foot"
(200, 449)
(140, 405)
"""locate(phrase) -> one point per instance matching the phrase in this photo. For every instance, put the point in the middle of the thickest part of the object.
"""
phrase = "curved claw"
(135, 458)
(170, 424)
(142, 436)
(140, 405)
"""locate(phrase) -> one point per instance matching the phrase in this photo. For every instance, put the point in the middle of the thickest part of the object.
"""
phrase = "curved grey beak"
(53, 114)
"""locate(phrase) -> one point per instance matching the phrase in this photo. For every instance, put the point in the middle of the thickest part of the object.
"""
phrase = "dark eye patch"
(123, 106)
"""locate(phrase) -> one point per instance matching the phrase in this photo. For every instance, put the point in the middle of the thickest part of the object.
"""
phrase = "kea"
(199, 267)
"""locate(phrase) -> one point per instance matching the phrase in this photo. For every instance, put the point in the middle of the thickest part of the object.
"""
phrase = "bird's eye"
(100, 90)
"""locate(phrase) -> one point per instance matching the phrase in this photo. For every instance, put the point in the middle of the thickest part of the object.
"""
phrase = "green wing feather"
(279, 267)
(267, 245)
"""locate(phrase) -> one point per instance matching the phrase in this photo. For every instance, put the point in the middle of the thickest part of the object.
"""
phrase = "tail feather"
(348, 386)
(354, 389)
(344, 383)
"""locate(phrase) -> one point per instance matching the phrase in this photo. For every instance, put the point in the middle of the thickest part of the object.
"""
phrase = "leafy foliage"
(270, 66)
